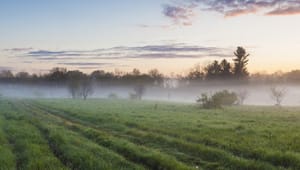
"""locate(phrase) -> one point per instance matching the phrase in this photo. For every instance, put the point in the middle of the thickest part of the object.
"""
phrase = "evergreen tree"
(240, 63)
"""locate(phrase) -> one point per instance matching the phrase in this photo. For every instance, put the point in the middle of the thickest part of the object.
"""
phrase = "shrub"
(133, 96)
(217, 100)
(112, 96)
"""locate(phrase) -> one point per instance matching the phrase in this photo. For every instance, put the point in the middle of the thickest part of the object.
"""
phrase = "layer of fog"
(257, 94)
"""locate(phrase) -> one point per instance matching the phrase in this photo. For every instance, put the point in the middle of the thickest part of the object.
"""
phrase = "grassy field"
(106, 134)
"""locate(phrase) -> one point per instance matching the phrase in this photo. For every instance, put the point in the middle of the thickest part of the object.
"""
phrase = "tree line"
(216, 70)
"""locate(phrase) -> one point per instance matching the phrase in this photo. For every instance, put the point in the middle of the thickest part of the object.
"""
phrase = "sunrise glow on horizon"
(169, 35)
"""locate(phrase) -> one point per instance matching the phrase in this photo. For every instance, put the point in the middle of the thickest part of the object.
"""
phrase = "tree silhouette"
(74, 83)
(213, 70)
(240, 63)
(196, 73)
(57, 74)
(225, 69)
(6, 74)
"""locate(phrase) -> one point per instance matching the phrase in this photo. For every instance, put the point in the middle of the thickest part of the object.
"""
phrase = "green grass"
(122, 134)
(7, 158)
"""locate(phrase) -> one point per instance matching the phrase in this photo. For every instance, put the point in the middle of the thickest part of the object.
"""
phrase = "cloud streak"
(83, 64)
(285, 11)
(141, 52)
(113, 57)
(184, 11)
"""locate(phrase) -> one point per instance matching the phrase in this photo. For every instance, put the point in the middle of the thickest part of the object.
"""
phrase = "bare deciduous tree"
(139, 91)
(277, 94)
(79, 85)
(86, 88)
(74, 88)
(242, 95)
(169, 84)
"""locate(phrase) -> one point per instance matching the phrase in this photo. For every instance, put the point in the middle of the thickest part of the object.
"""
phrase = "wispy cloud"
(5, 68)
(285, 11)
(83, 64)
(113, 57)
(18, 49)
(156, 51)
(183, 11)
(182, 15)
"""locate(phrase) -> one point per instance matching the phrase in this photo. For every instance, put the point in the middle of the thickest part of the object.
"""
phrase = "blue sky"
(88, 32)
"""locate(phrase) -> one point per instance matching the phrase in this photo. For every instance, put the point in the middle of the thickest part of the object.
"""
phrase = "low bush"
(217, 100)
(112, 96)
(133, 96)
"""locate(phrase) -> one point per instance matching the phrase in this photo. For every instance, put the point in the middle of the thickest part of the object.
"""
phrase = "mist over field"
(150, 85)
(257, 94)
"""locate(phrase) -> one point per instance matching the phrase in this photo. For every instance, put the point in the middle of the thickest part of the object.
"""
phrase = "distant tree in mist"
(23, 75)
(225, 67)
(136, 72)
(74, 83)
(277, 94)
(38, 94)
(113, 96)
(139, 91)
(168, 84)
(242, 95)
(240, 63)
(6, 74)
(156, 76)
(57, 74)
(86, 87)
(79, 84)
(196, 73)
(292, 76)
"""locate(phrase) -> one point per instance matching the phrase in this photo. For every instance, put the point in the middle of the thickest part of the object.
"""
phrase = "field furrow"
(151, 158)
(7, 158)
(30, 148)
(213, 157)
(145, 135)
(74, 150)
(121, 134)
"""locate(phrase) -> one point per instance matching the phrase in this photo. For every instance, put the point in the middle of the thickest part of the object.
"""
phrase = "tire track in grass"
(277, 158)
(139, 154)
(77, 152)
(7, 158)
(146, 158)
(30, 148)
(204, 152)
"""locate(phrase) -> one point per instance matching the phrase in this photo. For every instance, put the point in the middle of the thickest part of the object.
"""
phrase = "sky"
(170, 35)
